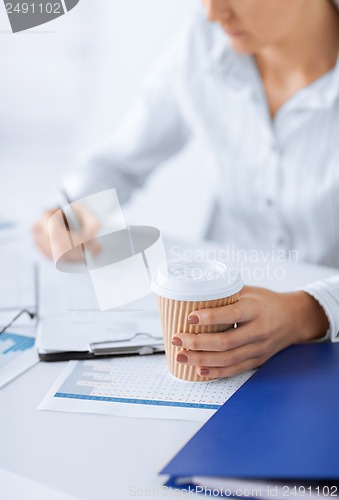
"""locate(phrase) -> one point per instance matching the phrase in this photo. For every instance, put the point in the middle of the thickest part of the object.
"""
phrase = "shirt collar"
(321, 93)
(239, 72)
(242, 75)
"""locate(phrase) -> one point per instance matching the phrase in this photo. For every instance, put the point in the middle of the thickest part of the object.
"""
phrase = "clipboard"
(88, 334)
(140, 344)
(71, 325)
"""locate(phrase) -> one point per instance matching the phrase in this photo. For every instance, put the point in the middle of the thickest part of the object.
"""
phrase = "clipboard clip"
(120, 346)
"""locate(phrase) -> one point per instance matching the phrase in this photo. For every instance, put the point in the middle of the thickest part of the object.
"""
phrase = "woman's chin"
(243, 44)
(242, 47)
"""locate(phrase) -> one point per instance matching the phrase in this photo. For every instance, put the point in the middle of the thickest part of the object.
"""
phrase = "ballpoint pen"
(64, 201)
(71, 221)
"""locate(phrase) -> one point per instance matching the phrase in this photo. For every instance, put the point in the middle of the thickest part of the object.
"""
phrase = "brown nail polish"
(204, 371)
(182, 358)
(193, 320)
(176, 341)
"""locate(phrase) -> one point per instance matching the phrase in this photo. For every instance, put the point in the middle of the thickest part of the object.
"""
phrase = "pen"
(71, 221)
(64, 202)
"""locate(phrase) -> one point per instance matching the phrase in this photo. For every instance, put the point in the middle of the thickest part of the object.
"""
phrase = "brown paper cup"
(173, 316)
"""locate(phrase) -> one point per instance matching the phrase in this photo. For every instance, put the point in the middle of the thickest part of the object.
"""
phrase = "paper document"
(137, 386)
(64, 292)
(18, 285)
(70, 319)
(18, 278)
(17, 354)
(78, 331)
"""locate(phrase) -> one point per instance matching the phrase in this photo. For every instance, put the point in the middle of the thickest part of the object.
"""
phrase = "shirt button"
(281, 240)
(269, 202)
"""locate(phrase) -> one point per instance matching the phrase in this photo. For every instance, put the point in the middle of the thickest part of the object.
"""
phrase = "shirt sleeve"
(326, 292)
(154, 130)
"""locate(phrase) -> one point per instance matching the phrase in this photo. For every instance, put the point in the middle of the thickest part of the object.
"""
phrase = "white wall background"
(66, 84)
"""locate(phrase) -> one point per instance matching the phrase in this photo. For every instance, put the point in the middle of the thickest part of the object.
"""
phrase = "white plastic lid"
(195, 281)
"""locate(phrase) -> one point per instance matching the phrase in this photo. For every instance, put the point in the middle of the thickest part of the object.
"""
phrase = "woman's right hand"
(60, 235)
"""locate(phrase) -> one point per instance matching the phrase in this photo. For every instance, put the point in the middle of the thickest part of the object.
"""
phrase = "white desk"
(93, 457)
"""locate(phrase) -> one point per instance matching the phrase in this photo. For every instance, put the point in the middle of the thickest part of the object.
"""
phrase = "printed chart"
(13, 345)
(137, 386)
(17, 354)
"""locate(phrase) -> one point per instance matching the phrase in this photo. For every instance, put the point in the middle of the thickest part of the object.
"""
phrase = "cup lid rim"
(191, 290)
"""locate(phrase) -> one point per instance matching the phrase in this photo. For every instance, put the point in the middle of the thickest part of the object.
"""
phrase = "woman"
(261, 79)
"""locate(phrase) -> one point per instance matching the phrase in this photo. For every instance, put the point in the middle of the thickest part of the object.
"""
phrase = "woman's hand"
(267, 323)
(59, 233)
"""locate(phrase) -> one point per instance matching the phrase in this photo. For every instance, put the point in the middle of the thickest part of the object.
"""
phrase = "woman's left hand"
(267, 323)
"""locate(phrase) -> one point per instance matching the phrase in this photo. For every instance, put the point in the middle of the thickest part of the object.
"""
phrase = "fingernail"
(204, 371)
(193, 320)
(176, 341)
(182, 358)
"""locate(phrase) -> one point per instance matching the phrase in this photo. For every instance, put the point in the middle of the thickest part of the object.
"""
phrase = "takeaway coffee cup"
(185, 286)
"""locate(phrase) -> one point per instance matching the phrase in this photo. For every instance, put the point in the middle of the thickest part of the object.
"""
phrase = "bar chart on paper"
(17, 355)
(137, 386)
(13, 345)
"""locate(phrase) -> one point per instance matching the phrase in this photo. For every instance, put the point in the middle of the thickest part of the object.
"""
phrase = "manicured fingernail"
(204, 371)
(176, 341)
(182, 358)
(193, 320)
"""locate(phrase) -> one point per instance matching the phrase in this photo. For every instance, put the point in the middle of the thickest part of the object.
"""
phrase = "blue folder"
(282, 424)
